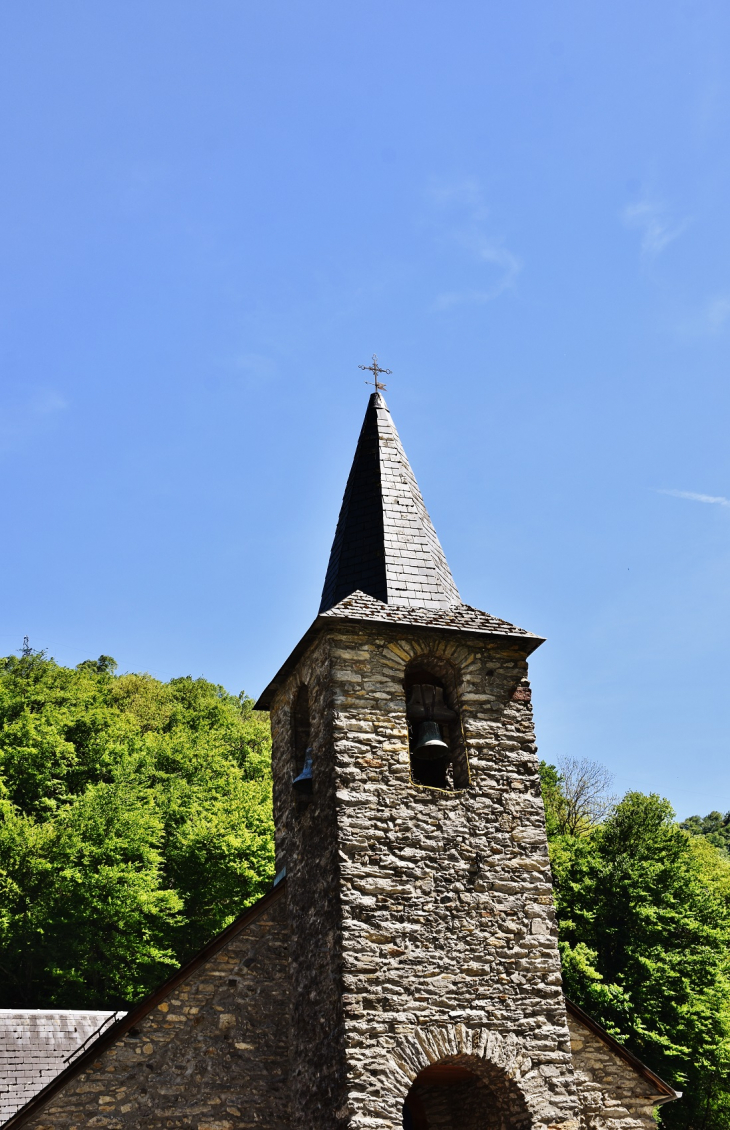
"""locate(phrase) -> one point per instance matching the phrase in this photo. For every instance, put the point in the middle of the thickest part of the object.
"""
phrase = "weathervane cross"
(376, 370)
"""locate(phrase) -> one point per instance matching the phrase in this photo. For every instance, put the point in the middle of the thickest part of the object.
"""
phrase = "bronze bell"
(430, 744)
(426, 708)
(302, 784)
(427, 703)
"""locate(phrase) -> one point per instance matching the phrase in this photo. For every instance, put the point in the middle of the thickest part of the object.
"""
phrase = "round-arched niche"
(464, 1093)
(452, 770)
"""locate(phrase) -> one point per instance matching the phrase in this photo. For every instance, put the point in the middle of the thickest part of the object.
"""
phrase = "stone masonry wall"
(432, 909)
(306, 844)
(211, 1056)
(611, 1093)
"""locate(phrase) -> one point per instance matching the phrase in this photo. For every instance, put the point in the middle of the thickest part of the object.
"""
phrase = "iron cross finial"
(376, 370)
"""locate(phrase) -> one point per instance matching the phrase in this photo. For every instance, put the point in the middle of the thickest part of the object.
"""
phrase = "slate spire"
(385, 544)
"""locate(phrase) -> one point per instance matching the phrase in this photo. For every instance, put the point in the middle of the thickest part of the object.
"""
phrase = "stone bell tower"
(423, 956)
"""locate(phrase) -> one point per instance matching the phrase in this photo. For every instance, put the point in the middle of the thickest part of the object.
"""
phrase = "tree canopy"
(118, 793)
(644, 919)
(714, 827)
(135, 823)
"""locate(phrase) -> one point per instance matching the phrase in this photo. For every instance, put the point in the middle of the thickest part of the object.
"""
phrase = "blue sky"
(211, 213)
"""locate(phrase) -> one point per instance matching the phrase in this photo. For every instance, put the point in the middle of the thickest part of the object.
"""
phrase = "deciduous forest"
(135, 823)
(643, 909)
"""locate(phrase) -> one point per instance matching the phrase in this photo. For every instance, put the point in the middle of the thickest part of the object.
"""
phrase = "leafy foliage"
(644, 917)
(714, 827)
(135, 822)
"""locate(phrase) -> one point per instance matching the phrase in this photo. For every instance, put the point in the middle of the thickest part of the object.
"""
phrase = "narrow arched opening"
(463, 1094)
(435, 734)
(301, 745)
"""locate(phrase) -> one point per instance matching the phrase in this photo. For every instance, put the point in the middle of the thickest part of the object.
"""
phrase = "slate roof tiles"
(385, 544)
(386, 565)
(457, 617)
(37, 1044)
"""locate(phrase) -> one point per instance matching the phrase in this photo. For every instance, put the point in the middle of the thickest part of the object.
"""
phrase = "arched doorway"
(463, 1093)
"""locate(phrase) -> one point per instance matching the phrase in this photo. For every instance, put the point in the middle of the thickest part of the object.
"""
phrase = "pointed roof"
(385, 544)
(456, 618)
(387, 565)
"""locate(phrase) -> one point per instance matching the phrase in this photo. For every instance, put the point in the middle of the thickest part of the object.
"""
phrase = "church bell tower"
(423, 957)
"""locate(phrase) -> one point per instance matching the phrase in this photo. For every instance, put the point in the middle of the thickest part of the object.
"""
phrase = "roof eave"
(527, 642)
(667, 1092)
(265, 699)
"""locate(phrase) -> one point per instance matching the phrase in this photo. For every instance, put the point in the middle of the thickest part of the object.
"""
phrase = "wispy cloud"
(694, 497)
(509, 265)
(710, 318)
(657, 229)
(466, 228)
(20, 421)
(465, 193)
(718, 312)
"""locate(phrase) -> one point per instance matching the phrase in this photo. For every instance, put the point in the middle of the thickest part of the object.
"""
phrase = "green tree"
(135, 822)
(553, 799)
(714, 827)
(644, 919)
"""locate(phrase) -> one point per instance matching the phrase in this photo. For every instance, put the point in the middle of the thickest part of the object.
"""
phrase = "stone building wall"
(612, 1093)
(414, 909)
(210, 1052)
(306, 844)
(415, 930)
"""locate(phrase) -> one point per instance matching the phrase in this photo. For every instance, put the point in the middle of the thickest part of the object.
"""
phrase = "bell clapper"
(302, 784)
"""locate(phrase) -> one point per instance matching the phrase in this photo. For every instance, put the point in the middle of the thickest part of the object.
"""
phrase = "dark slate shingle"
(458, 617)
(37, 1044)
(385, 544)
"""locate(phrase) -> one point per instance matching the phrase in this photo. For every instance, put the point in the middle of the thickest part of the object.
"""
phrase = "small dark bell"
(302, 784)
(430, 745)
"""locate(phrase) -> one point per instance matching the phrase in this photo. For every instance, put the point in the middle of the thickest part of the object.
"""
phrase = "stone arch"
(429, 666)
(464, 1093)
(301, 727)
(499, 1084)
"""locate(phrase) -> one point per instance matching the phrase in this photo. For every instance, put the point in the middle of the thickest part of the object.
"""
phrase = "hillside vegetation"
(715, 827)
(644, 917)
(135, 823)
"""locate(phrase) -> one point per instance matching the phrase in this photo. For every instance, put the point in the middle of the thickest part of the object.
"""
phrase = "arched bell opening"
(459, 1094)
(435, 735)
(301, 745)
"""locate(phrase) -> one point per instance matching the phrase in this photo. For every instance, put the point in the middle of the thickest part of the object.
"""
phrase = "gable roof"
(89, 1058)
(664, 1089)
(36, 1044)
(138, 1012)
(385, 544)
